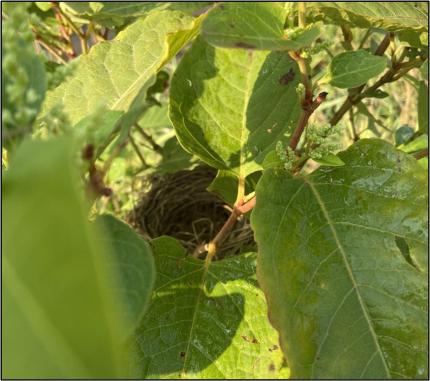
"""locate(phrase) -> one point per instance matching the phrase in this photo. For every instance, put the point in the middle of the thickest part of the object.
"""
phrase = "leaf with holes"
(117, 73)
(255, 25)
(231, 106)
(343, 262)
(206, 322)
(352, 69)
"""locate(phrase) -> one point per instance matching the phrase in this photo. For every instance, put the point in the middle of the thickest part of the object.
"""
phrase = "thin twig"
(347, 36)
(50, 50)
(137, 150)
(149, 139)
(364, 39)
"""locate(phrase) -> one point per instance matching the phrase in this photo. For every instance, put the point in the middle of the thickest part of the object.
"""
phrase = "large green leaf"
(231, 106)
(423, 108)
(394, 16)
(206, 322)
(133, 265)
(255, 25)
(60, 319)
(117, 13)
(343, 263)
(352, 69)
(114, 73)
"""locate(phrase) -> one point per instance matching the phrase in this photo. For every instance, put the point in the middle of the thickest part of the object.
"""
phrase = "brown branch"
(347, 36)
(307, 111)
(420, 154)
(239, 209)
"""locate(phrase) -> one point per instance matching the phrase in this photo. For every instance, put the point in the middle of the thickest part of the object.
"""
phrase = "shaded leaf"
(255, 25)
(231, 106)
(393, 16)
(404, 134)
(355, 68)
(60, 317)
(133, 264)
(343, 263)
(116, 73)
(206, 322)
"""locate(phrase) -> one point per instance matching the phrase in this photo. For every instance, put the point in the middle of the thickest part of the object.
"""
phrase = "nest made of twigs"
(179, 205)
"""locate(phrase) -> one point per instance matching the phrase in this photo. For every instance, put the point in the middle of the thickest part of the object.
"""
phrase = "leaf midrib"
(350, 273)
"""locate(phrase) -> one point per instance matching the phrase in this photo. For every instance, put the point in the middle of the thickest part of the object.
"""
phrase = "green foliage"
(23, 75)
(117, 84)
(352, 69)
(331, 266)
(133, 256)
(258, 25)
(267, 94)
(206, 321)
(394, 16)
(230, 106)
(53, 274)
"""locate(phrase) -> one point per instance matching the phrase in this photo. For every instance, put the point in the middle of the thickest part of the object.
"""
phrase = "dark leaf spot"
(231, 25)
(287, 77)
(404, 249)
(273, 348)
(272, 367)
(244, 45)
(182, 354)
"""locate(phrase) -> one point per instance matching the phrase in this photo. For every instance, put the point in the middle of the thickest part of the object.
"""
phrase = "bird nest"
(179, 205)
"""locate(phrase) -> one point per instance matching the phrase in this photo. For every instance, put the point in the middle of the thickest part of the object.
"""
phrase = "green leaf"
(43, 5)
(423, 108)
(352, 69)
(133, 264)
(343, 262)
(403, 135)
(330, 160)
(393, 16)
(225, 185)
(118, 13)
(230, 106)
(257, 25)
(421, 142)
(115, 73)
(206, 322)
(60, 318)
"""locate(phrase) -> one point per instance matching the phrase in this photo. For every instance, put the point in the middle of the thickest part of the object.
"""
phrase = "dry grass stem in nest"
(178, 205)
